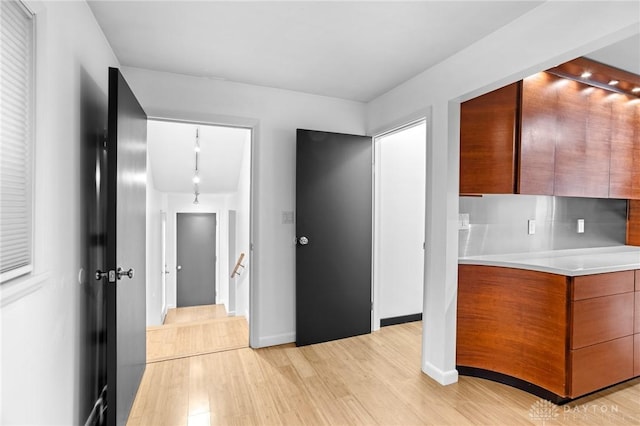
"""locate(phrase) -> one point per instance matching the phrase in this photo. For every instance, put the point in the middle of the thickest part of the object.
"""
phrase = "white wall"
(399, 217)
(154, 252)
(40, 330)
(548, 35)
(241, 203)
(275, 114)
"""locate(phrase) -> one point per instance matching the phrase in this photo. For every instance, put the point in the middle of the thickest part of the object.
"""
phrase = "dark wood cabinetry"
(583, 141)
(636, 329)
(624, 177)
(565, 335)
(538, 130)
(568, 139)
(488, 142)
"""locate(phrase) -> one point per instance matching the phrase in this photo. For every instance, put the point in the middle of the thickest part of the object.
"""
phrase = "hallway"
(196, 330)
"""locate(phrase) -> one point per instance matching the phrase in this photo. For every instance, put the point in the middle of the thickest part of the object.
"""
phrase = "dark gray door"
(333, 228)
(196, 253)
(126, 242)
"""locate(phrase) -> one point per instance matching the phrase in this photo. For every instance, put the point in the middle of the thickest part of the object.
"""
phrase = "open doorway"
(399, 212)
(197, 172)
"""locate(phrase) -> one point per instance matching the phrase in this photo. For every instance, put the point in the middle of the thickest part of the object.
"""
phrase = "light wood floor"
(194, 314)
(195, 331)
(367, 380)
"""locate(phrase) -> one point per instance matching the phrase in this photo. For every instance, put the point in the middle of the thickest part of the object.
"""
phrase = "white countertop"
(571, 262)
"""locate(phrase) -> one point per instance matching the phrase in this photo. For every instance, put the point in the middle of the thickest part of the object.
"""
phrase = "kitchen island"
(559, 324)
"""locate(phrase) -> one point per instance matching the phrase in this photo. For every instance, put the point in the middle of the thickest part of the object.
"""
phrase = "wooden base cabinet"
(636, 355)
(557, 336)
(598, 366)
(636, 329)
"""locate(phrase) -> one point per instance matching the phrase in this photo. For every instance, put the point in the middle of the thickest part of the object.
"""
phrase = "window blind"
(16, 138)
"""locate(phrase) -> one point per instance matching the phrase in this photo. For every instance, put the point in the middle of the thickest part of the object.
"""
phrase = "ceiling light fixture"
(196, 176)
(613, 82)
(585, 74)
(635, 90)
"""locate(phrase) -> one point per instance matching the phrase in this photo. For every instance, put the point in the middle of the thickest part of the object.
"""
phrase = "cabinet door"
(598, 366)
(601, 319)
(633, 224)
(583, 144)
(538, 130)
(623, 149)
(487, 142)
(636, 355)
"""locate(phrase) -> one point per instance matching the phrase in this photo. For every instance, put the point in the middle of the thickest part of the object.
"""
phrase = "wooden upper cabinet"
(633, 226)
(624, 177)
(539, 128)
(622, 150)
(583, 143)
(550, 135)
(488, 142)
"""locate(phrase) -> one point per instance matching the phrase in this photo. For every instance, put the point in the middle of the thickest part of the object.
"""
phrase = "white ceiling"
(353, 50)
(172, 156)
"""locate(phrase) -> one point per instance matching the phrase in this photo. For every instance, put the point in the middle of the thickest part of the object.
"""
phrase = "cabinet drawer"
(589, 286)
(602, 365)
(601, 319)
(636, 327)
(636, 355)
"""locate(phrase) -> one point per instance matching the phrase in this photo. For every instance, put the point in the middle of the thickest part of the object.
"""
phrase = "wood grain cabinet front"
(565, 335)
(488, 142)
(636, 355)
(551, 135)
(598, 366)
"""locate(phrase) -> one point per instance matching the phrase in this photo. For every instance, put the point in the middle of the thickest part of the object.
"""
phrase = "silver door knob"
(303, 241)
(179, 267)
(121, 273)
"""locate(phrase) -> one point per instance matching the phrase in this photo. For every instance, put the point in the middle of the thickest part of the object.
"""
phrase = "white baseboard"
(440, 376)
(277, 339)
(231, 313)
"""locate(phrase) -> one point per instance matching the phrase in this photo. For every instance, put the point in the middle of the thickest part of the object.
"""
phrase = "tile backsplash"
(501, 223)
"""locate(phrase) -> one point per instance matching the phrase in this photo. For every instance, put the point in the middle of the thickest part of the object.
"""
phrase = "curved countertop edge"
(568, 262)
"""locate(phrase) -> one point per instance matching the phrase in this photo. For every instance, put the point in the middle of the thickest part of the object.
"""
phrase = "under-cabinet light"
(613, 82)
(585, 74)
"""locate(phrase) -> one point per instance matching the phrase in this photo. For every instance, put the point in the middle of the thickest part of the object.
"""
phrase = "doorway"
(220, 203)
(399, 212)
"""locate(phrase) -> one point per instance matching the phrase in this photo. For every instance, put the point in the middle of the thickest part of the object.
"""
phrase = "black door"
(196, 255)
(333, 228)
(126, 234)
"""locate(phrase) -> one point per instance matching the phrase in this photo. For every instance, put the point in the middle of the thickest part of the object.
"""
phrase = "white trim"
(11, 292)
(276, 339)
(254, 126)
(375, 292)
(17, 272)
(443, 377)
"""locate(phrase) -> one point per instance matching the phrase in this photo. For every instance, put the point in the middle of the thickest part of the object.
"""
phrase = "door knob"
(303, 241)
(179, 267)
(121, 272)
